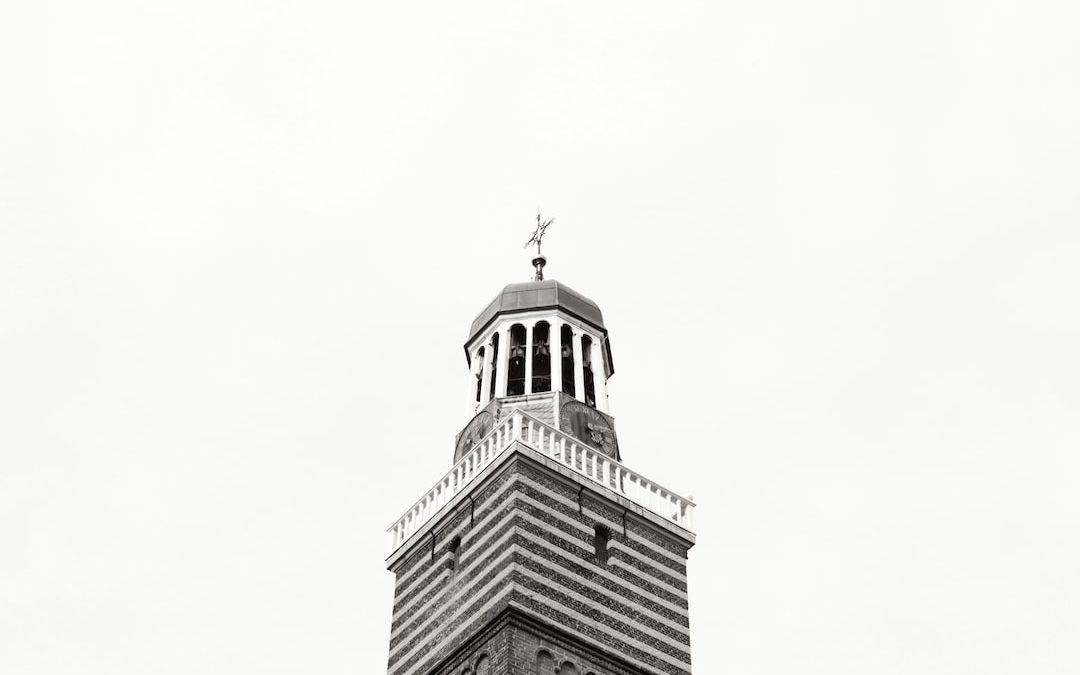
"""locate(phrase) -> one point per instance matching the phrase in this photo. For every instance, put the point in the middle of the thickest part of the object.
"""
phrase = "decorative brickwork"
(527, 550)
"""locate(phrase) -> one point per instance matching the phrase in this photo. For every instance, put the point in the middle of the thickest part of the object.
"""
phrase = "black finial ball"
(539, 262)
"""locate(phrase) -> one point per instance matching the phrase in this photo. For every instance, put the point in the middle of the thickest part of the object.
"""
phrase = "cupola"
(540, 346)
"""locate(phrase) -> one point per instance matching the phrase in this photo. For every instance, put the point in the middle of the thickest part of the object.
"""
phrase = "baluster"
(606, 471)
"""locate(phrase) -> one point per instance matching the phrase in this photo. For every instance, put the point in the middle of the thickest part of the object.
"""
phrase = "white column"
(504, 362)
(476, 367)
(485, 383)
(555, 347)
(599, 375)
(579, 368)
(528, 358)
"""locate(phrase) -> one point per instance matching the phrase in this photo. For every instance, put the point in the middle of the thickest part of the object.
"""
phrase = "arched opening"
(494, 363)
(601, 537)
(567, 351)
(479, 374)
(483, 665)
(515, 372)
(541, 356)
(567, 668)
(545, 663)
(586, 363)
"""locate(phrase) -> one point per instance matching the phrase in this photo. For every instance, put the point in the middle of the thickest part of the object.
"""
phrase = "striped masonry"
(527, 546)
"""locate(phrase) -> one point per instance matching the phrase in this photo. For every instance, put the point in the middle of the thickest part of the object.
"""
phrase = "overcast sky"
(836, 245)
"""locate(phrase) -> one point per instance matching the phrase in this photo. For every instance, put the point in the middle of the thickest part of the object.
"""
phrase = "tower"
(540, 552)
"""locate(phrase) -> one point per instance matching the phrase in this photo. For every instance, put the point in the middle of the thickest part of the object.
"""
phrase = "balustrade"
(560, 447)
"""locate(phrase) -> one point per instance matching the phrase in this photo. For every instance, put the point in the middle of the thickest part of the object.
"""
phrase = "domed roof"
(532, 295)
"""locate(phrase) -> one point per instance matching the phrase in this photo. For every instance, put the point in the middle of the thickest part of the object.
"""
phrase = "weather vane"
(538, 236)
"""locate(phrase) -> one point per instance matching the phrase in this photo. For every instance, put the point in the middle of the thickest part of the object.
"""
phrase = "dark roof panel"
(538, 295)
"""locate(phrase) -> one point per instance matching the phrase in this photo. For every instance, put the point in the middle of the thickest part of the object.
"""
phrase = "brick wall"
(526, 584)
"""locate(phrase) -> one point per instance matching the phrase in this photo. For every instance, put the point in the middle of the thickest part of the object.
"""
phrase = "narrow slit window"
(452, 548)
(601, 538)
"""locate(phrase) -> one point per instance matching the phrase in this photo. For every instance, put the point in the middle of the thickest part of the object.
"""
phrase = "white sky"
(835, 243)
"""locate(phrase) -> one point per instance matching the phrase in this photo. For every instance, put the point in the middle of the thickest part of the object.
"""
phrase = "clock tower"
(540, 551)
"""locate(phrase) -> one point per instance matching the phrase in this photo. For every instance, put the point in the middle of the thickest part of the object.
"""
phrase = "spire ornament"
(537, 237)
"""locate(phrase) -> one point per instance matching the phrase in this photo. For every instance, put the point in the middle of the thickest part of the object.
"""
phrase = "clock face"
(590, 426)
(476, 429)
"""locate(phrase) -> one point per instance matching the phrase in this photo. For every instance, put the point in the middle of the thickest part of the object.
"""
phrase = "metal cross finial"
(538, 234)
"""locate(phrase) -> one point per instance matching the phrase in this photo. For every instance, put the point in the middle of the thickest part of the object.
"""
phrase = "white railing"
(561, 447)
